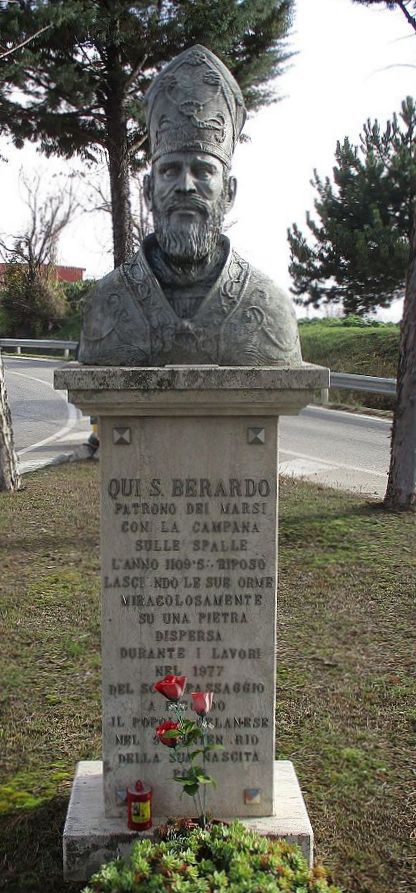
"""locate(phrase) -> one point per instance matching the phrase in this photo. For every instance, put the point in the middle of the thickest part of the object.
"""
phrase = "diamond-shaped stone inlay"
(122, 435)
(256, 435)
(252, 795)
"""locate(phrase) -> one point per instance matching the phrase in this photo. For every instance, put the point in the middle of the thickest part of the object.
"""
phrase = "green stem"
(198, 809)
(204, 812)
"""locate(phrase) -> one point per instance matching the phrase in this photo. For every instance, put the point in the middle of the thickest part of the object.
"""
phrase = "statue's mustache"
(188, 204)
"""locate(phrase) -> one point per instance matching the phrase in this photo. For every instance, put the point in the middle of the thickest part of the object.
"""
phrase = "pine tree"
(363, 222)
(81, 81)
(401, 485)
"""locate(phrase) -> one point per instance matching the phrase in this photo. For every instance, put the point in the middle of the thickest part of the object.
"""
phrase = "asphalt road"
(44, 423)
(334, 448)
(339, 449)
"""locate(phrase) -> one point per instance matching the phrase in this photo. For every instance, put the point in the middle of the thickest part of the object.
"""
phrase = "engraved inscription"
(191, 581)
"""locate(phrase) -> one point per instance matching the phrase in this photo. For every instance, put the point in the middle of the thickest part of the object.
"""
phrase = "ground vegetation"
(32, 300)
(346, 674)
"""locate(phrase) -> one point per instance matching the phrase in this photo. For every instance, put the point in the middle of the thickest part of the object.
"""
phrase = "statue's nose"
(186, 182)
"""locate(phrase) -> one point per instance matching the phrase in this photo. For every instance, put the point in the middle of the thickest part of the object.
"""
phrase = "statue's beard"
(189, 243)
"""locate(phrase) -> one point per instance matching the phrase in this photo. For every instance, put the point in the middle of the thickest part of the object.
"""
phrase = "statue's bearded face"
(189, 196)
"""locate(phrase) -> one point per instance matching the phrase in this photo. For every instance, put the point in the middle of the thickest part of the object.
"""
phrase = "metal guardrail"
(351, 382)
(35, 343)
(369, 383)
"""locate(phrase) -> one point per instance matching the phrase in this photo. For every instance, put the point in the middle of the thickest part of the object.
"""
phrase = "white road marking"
(72, 414)
(40, 380)
(323, 463)
(355, 415)
(302, 467)
(33, 465)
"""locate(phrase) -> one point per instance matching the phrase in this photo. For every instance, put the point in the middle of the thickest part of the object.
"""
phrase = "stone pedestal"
(189, 558)
(90, 838)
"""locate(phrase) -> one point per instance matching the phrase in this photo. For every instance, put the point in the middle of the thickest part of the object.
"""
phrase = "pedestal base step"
(90, 838)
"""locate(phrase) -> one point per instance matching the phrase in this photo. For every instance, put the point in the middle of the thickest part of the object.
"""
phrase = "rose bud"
(168, 726)
(202, 702)
(171, 687)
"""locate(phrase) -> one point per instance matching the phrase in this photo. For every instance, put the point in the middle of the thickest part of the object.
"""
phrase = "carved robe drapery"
(244, 320)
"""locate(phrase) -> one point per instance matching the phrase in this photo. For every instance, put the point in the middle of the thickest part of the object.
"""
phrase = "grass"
(346, 685)
(362, 350)
(346, 704)
(358, 349)
(49, 666)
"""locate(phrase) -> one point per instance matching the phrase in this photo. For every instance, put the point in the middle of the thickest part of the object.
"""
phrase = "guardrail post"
(18, 349)
(66, 353)
(324, 396)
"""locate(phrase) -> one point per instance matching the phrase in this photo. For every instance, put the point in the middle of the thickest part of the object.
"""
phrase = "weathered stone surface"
(191, 391)
(75, 376)
(189, 560)
(90, 838)
(243, 318)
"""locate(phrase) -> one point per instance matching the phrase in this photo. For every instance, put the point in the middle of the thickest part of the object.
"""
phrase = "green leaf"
(183, 780)
(203, 778)
(191, 789)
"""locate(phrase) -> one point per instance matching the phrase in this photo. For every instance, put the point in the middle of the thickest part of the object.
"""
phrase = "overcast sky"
(352, 62)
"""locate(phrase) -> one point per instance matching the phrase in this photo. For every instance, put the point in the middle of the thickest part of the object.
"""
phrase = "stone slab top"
(75, 376)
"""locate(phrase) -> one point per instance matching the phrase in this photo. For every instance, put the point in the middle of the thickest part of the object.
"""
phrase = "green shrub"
(32, 302)
(225, 858)
(76, 291)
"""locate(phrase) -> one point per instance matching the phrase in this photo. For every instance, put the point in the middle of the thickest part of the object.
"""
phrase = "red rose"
(202, 702)
(171, 687)
(168, 726)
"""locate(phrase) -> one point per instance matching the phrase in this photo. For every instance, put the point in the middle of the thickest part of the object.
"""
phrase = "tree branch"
(137, 143)
(411, 19)
(132, 77)
(24, 42)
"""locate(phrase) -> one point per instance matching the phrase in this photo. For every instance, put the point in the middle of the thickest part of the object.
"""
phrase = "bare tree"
(32, 298)
(98, 199)
(29, 254)
(48, 217)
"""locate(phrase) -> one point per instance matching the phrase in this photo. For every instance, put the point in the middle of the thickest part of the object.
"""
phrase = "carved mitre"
(194, 103)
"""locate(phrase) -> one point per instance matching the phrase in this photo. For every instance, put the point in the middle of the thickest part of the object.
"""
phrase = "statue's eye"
(203, 171)
(169, 171)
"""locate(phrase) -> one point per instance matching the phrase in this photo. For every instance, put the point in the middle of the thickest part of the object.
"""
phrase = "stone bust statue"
(186, 297)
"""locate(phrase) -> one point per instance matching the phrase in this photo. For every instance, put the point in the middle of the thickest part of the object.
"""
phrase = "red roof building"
(65, 274)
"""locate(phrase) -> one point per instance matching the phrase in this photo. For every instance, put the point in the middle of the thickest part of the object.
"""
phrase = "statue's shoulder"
(263, 282)
(118, 281)
(265, 320)
(111, 313)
